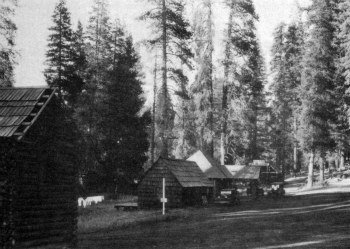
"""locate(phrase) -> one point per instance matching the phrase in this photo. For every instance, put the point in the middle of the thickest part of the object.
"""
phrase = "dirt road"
(313, 221)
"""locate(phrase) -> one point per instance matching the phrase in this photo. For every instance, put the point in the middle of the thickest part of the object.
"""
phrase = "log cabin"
(216, 173)
(38, 176)
(185, 183)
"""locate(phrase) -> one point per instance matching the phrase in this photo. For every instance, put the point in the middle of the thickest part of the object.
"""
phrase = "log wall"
(43, 209)
(150, 188)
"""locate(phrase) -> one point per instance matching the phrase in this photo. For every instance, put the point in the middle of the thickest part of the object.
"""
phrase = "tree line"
(310, 87)
(97, 73)
(232, 110)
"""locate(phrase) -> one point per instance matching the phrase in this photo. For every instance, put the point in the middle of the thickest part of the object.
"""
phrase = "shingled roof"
(20, 108)
(211, 168)
(187, 173)
(248, 173)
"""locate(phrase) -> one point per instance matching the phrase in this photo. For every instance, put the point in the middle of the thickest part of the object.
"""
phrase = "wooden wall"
(150, 188)
(44, 208)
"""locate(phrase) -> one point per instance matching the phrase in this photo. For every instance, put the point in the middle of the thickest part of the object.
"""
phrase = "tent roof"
(187, 173)
(20, 108)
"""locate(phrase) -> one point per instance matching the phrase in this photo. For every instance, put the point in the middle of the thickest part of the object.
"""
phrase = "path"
(313, 221)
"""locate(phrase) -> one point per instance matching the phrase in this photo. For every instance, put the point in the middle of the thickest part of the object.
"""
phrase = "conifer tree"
(342, 79)
(171, 36)
(286, 67)
(281, 103)
(294, 47)
(317, 85)
(79, 65)
(97, 50)
(202, 88)
(227, 63)
(125, 138)
(7, 42)
(100, 55)
(59, 55)
(244, 83)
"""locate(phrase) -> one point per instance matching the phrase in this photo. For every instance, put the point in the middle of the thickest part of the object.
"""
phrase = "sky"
(33, 18)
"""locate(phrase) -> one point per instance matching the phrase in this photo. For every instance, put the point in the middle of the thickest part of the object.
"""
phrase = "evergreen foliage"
(171, 35)
(245, 79)
(59, 55)
(125, 138)
(317, 84)
(286, 68)
(109, 106)
(7, 42)
(341, 43)
(99, 58)
(202, 88)
(79, 65)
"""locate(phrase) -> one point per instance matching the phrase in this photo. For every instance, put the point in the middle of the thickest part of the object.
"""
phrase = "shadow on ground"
(313, 221)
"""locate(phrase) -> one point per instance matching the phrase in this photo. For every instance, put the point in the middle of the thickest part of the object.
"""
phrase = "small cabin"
(185, 184)
(216, 173)
(259, 171)
(37, 171)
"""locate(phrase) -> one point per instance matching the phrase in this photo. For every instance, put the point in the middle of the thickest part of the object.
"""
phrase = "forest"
(294, 116)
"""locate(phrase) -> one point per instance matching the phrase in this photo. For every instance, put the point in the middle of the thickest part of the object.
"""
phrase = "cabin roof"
(187, 173)
(20, 108)
(248, 173)
(216, 171)
(234, 169)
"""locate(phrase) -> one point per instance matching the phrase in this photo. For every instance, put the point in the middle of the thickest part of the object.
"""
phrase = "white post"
(163, 199)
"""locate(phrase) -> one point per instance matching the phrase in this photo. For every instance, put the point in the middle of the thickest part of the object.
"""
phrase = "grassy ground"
(104, 216)
(313, 221)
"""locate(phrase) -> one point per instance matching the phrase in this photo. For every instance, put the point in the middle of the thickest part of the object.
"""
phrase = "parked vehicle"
(259, 191)
(276, 190)
(231, 194)
(226, 193)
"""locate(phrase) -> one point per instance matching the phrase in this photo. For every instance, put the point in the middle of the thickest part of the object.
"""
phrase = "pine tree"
(171, 35)
(342, 79)
(59, 55)
(244, 83)
(281, 92)
(125, 140)
(286, 67)
(317, 89)
(202, 88)
(7, 42)
(294, 47)
(100, 56)
(78, 66)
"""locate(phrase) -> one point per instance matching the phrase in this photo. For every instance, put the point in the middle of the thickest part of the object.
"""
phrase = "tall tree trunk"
(223, 125)
(295, 159)
(337, 161)
(323, 160)
(165, 149)
(311, 170)
(295, 145)
(222, 146)
(254, 139)
(153, 142)
(225, 89)
(342, 159)
(210, 83)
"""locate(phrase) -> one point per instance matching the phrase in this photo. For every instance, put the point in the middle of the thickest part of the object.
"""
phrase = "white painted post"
(163, 200)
